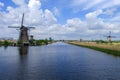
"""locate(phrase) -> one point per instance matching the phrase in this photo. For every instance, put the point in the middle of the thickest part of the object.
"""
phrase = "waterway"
(57, 61)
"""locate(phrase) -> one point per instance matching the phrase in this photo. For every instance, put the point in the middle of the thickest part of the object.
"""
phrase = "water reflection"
(23, 54)
(23, 60)
(5, 47)
(23, 50)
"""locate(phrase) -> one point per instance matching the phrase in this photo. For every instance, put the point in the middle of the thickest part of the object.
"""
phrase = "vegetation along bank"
(107, 48)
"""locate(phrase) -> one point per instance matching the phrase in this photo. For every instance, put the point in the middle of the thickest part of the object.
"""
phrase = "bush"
(6, 43)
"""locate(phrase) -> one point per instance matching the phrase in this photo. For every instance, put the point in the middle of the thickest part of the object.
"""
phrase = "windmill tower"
(109, 37)
(23, 37)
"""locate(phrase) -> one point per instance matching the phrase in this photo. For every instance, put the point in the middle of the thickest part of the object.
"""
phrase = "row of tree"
(32, 42)
(5, 43)
(41, 41)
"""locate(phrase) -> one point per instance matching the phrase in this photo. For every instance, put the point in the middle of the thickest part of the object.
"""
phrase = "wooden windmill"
(23, 37)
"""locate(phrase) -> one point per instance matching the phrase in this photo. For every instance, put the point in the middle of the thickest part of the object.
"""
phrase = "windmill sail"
(109, 36)
(22, 20)
(13, 26)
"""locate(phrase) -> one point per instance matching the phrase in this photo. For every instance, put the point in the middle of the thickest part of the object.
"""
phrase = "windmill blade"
(18, 29)
(105, 36)
(13, 26)
(113, 36)
(22, 20)
(31, 27)
(109, 32)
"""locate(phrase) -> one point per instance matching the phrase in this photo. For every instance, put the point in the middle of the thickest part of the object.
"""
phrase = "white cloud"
(76, 25)
(93, 15)
(109, 4)
(19, 2)
(49, 17)
(56, 11)
(1, 5)
(93, 21)
(93, 3)
(34, 4)
(110, 11)
(78, 2)
(78, 5)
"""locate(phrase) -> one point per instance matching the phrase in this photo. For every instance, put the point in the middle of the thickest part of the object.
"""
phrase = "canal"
(57, 61)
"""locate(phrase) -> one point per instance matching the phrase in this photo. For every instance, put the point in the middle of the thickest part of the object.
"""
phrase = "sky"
(62, 19)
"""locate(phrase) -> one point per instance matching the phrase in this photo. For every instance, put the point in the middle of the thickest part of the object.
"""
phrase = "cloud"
(46, 23)
(109, 4)
(1, 4)
(34, 4)
(19, 2)
(110, 11)
(94, 14)
(93, 21)
(93, 3)
(49, 17)
(80, 5)
(56, 11)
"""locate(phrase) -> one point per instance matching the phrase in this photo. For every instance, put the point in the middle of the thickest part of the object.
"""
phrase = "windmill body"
(109, 38)
(23, 37)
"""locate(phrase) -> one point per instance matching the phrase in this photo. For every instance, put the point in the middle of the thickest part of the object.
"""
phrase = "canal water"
(57, 61)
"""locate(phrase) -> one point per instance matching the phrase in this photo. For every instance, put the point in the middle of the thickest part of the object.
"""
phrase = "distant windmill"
(23, 37)
(109, 37)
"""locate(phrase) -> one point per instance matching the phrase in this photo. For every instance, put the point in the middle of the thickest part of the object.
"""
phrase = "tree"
(46, 41)
(6, 43)
(50, 39)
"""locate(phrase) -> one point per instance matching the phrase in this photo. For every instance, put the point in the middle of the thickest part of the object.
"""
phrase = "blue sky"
(87, 19)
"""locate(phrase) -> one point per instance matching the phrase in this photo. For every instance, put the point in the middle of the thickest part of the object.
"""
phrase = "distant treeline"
(32, 42)
(5, 43)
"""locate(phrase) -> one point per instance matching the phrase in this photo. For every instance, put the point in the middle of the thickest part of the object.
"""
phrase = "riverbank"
(107, 48)
(30, 43)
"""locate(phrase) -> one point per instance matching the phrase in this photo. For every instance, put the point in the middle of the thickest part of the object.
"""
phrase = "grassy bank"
(107, 48)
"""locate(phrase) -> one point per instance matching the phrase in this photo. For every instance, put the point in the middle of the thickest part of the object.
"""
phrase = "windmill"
(109, 37)
(23, 36)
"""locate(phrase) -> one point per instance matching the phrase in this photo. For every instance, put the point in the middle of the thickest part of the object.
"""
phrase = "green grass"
(108, 51)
